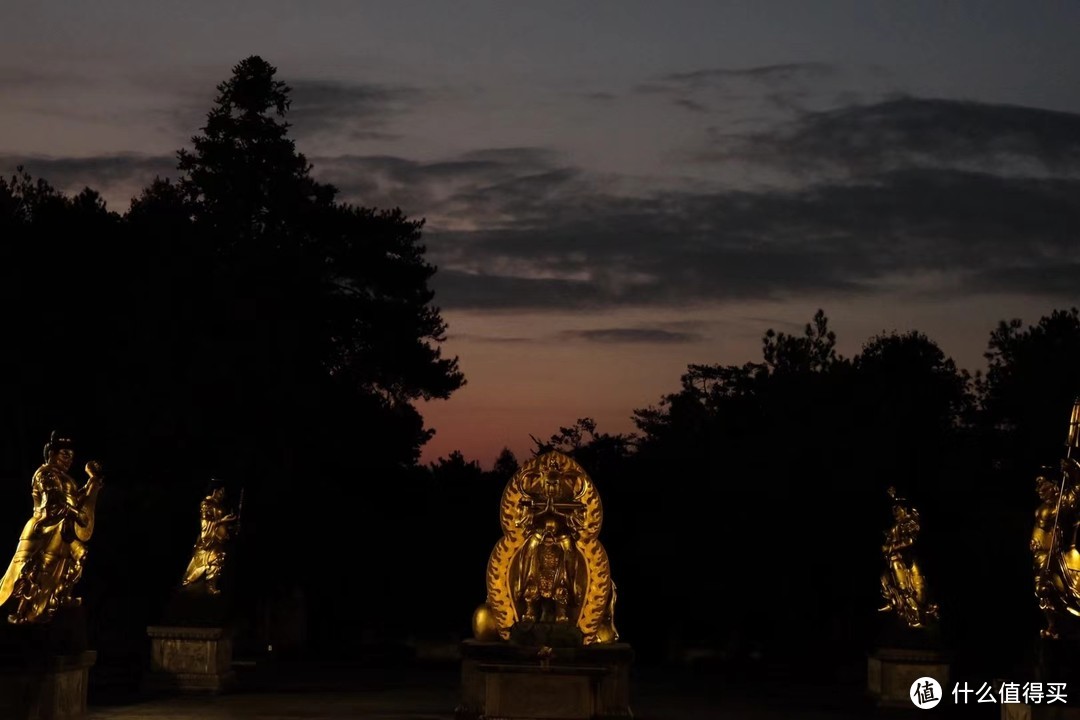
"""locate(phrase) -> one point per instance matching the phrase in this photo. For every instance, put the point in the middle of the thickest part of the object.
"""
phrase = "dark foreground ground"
(429, 691)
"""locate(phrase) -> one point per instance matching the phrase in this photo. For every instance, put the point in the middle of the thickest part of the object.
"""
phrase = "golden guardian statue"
(549, 567)
(216, 526)
(49, 559)
(902, 584)
(1053, 540)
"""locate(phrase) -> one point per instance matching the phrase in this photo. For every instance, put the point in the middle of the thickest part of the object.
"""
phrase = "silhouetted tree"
(318, 331)
(239, 322)
(455, 468)
(1032, 378)
(506, 465)
(601, 454)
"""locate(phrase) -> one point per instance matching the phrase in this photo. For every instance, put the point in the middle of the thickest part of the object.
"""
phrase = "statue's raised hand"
(94, 470)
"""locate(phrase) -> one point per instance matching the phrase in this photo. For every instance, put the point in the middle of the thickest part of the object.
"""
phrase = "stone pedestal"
(45, 667)
(1052, 661)
(891, 672)
(190, 659)
(500, 681)
(1057, 711)
(50, 688)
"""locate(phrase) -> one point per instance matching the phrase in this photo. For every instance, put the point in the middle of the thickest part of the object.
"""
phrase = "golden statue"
(49, 559)
(216, 526)
(549, 566)
(903, 585)
(1055, 557)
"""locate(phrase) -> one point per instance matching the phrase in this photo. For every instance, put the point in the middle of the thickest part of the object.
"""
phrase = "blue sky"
(614, 190)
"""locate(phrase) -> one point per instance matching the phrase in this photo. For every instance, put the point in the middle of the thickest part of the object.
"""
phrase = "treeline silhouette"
(237, 323)
(242, 323)
(745, 516)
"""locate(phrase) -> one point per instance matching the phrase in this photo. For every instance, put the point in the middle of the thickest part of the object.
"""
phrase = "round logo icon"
(925, 693)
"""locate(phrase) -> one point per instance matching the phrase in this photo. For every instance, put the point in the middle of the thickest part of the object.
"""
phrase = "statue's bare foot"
(1049, 634)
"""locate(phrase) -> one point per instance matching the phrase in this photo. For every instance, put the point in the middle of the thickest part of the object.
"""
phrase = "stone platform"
(891, 672)
(507, 682)
(1014, 711)
(45, 667)
(310, 690)
(52, 688)
(190, 659)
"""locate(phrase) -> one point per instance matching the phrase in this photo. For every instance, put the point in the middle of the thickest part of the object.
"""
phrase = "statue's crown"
(58, 440)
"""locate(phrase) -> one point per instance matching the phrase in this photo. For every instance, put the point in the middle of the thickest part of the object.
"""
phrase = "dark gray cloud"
(461, 186)
(647, 336)
(913, 132)
(359, 111)
(692, 105)
(117, 174)
(1060, 279)
(520, 228)
(594, 249)
(547, 235)
(766, 74)
(490, 338)
(785, 86)
(20, 78)
(341, 110)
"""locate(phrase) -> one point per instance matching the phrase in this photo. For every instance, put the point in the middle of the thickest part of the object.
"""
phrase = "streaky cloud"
(911, 132)
(519, 228)
(115, 175)
(781, 72)
(14, 79)
(595, 250)
(1057, 280)
(546, 235)
(645, 336)
(328, 106)
(496, 339)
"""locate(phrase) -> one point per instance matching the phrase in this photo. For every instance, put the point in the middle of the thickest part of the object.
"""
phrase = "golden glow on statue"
(549, 565)
(903, 585)
(215, 528)
(49, 559)
(1053, 540)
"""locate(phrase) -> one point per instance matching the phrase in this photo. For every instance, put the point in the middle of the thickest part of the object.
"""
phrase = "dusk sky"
(616, 189)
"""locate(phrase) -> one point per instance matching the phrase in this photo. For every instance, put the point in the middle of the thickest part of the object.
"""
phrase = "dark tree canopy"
(238, 322)
(1032, 378)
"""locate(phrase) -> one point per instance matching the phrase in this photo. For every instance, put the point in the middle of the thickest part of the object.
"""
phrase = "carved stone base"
(891, 672)
(46, 688)
(190, 659)
(500, 681)
(1056, 711)
(45, 667)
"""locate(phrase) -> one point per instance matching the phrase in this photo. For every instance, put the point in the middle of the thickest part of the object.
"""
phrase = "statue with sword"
(1055, 555)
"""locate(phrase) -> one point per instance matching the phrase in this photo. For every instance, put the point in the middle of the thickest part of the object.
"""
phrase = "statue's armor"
(902, 584)
(49, 558)
(208, 556)
(550, 565)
